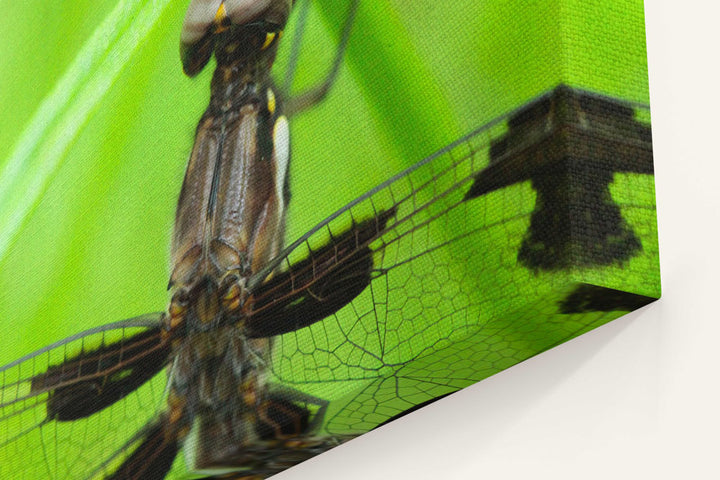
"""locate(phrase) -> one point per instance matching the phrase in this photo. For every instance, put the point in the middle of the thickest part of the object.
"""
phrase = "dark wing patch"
(92, 380)
(569, 145)
(320, 285)
(592, 298)
(154, 457)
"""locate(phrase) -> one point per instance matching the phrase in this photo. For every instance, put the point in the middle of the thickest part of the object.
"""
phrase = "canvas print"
(235, 234)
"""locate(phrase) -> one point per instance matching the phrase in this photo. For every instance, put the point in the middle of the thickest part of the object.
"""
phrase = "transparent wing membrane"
(450, 301)
(65, 408)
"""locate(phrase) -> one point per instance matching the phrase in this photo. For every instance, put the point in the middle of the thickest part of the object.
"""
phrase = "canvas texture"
(476, 187)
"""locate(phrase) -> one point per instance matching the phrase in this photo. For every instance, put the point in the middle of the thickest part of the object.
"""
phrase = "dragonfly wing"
(424, 291)
(152, 457)
(60, 409)
(445, 303)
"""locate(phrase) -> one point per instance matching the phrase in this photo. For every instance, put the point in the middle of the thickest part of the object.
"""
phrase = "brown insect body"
(229, 228)
(230, 222)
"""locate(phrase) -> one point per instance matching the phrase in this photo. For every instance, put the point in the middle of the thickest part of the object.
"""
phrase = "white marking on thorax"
(281, 142)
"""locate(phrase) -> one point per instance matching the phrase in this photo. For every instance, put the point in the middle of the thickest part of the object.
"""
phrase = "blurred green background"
(96, 180)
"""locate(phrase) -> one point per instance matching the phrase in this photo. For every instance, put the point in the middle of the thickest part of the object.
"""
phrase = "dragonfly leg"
(294, 396)
(303, 9)
(301, 102)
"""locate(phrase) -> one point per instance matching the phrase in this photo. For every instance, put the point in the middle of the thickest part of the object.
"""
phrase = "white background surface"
(638, 398)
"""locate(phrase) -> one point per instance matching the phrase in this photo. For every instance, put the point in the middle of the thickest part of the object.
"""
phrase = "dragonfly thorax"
(207, 304)
(218, 394)
(244, 58)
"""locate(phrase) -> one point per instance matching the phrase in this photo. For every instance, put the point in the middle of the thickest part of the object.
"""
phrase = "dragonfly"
(366, 308)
